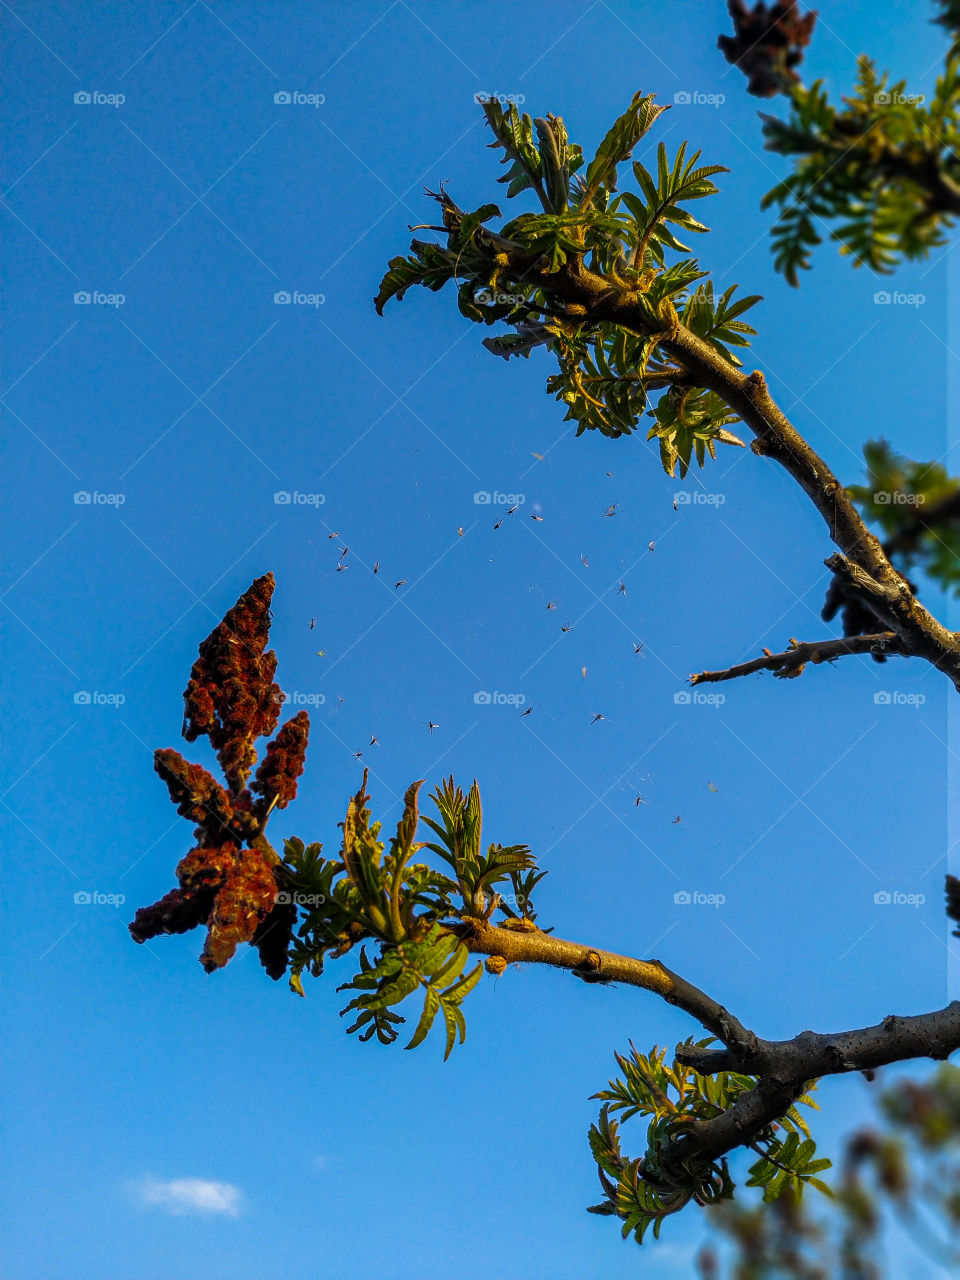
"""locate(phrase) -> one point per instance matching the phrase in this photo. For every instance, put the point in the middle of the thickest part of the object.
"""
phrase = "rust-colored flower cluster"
(276, 780)
(196, 793)
(767, 44)
(232, 697)
(232, 880)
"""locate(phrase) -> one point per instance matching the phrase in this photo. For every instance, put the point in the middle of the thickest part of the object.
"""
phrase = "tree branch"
(785, 1067)
(532, 946)
(870, 571)
(927, 172)
(741, 1124)
(792, 661)
(894, 603)
(811, 1054)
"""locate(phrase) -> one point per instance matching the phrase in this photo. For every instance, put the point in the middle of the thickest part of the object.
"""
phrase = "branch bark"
(785, 1067)
(792, 661)
(894, 603)
(927, 173)
(533, 946)
(811, 1054)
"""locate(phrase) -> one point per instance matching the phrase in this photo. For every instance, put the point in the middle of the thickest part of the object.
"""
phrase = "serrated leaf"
(618, 144)
(453, 1019)
(456, 993)
(453, 966)
(431, 1004)
(822, 1187)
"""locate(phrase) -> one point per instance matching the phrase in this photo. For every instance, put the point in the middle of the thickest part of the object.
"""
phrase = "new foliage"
(608, 377)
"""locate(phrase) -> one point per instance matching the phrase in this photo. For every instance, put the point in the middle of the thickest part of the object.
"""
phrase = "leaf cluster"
(434, 963)
(917, 505)
(643, 1191)
(412, 910)
(608, 375)
(478, 873)
(882, 168)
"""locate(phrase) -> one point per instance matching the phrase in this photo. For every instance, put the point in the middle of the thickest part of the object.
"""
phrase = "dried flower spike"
(231, 881)
(276, 780)
(232, 697)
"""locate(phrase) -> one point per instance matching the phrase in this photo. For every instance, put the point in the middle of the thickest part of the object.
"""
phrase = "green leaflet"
(787, 1165)
(520, 343)
(429, 265)
(455, 1025)
(472, 824)
(431, 1006)
(618, 145)
(402, 848)
(558, 159)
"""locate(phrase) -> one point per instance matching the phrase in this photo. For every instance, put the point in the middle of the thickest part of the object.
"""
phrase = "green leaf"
(455, 1024)
(553, 158)
(430, 266)
(451, 969)
(456, 993)
(676, 183)
(431, 1004)
(514, 133)
(617, 146)
(761, 1173)
(821, 1187)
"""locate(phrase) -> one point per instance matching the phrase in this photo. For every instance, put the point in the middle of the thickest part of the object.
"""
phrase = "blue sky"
(184, 408)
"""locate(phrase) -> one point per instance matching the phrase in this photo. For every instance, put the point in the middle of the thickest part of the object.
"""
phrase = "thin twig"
(791, 662)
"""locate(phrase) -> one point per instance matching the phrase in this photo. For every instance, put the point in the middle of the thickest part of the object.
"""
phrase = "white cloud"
(191, 1195)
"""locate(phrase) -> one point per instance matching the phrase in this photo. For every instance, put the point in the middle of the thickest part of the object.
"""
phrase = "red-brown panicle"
(232, 697)
(201, 874)
(230, 890)
(246, 897)
(283, 763)
(196, 793)
(238, 892)
(768, 44)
